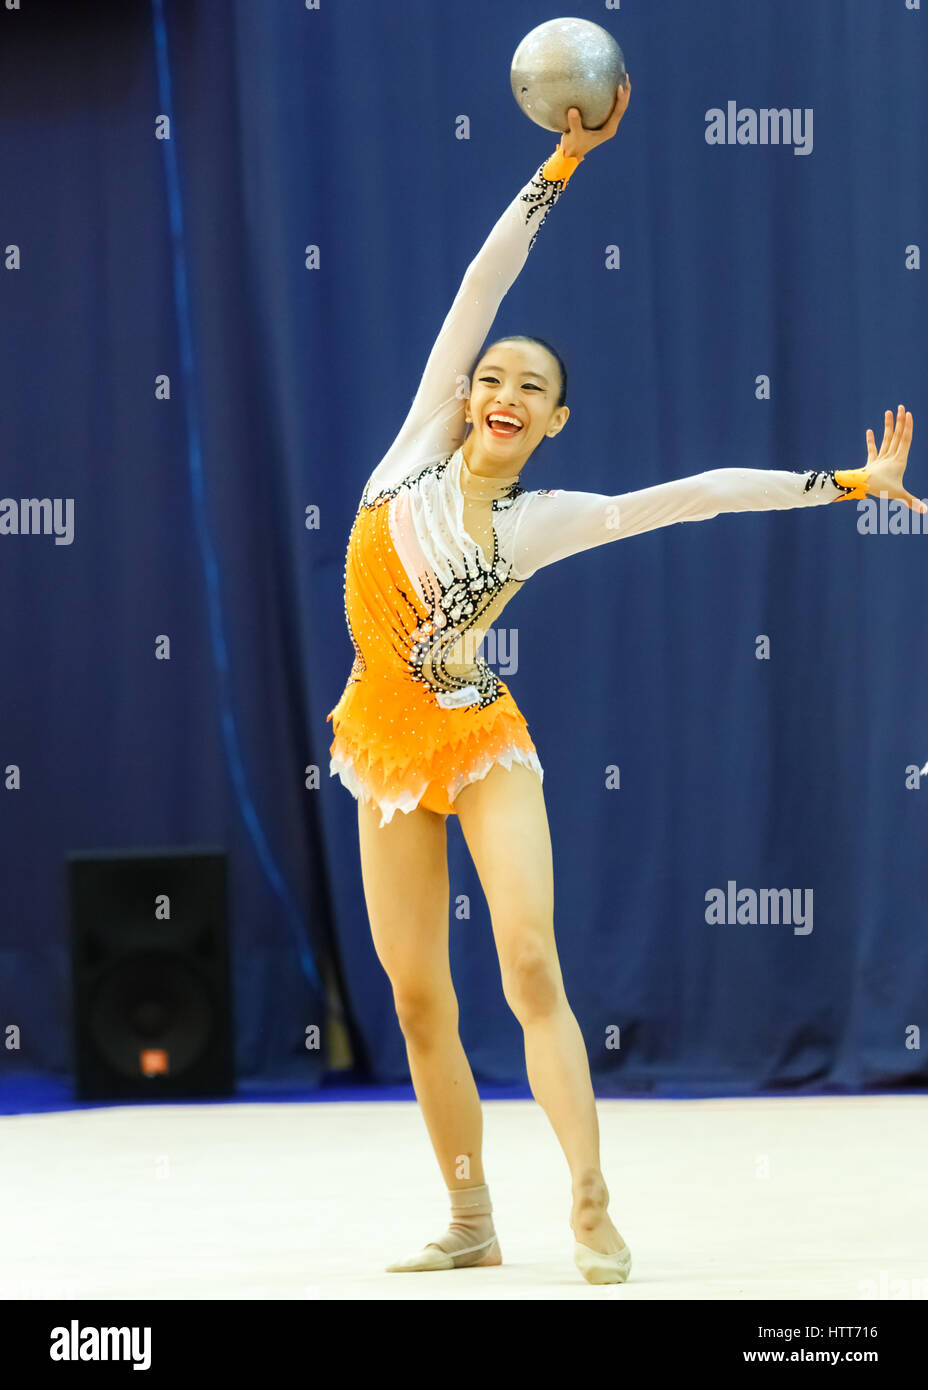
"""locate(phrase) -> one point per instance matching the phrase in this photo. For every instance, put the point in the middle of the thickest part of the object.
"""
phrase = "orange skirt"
(395, 746)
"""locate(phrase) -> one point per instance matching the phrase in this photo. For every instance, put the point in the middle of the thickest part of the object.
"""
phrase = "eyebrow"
(488, 367)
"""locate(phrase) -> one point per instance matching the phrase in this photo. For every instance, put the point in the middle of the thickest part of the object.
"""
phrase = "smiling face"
(520, 381)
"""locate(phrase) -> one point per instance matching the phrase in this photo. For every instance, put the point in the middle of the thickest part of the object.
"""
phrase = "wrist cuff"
(853, 478)
(559, 167)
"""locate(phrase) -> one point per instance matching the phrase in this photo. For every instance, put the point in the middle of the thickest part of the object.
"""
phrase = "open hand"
(885, 469)
(577, 141)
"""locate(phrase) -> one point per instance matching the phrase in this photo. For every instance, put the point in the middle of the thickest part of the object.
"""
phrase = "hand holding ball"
(564, 63)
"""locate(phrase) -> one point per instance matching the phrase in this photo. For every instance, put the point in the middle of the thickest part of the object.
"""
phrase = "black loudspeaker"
(151, 985)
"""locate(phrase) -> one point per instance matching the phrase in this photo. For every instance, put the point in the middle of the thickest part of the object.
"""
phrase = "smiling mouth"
(501, 429)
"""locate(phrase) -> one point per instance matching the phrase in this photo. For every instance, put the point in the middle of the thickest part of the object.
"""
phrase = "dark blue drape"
(674, 276)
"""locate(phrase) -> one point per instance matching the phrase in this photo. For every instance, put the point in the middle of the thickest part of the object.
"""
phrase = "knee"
(532, 983)
(426, 1015)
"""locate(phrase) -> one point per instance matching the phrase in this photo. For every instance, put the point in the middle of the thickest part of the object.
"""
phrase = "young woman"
(443, 538)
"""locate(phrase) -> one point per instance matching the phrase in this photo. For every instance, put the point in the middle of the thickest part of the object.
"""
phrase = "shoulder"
(511, 511)
(380, 487)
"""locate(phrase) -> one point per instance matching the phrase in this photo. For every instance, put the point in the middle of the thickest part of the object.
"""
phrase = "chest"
(478, 520)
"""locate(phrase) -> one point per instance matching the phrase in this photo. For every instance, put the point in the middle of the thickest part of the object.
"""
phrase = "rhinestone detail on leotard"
(461, 602)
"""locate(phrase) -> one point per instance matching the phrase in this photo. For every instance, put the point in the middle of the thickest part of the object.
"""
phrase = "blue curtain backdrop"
(136, 258)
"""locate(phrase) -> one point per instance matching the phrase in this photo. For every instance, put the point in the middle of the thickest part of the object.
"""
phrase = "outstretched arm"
(435, 423)
(556, 524)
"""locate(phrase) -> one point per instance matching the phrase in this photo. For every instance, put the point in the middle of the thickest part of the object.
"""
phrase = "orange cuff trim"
(855, 478)
(559, 167)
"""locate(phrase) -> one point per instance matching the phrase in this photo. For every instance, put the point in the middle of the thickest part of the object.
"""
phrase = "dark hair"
(523, 338)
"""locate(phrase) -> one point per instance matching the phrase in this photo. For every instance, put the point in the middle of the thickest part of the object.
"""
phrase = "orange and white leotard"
(436, 552)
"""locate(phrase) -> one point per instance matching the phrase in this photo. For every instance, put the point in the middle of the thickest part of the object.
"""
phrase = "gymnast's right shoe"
(470, 1240)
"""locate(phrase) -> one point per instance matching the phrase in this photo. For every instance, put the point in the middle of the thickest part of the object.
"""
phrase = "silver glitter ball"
(564, 63)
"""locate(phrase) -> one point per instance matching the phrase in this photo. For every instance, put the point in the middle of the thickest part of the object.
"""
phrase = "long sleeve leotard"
(436, 552)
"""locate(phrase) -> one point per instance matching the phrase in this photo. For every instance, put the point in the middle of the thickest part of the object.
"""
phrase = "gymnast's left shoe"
(598, 1268)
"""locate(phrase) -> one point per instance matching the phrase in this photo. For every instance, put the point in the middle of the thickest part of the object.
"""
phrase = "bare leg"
(505, 825)
(405, 872)
(404, 869)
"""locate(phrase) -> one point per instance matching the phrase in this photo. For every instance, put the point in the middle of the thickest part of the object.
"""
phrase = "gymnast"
(444, 536)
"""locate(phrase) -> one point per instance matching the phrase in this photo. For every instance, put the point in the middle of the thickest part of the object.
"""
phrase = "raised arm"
(553, 525)
(435, 423)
